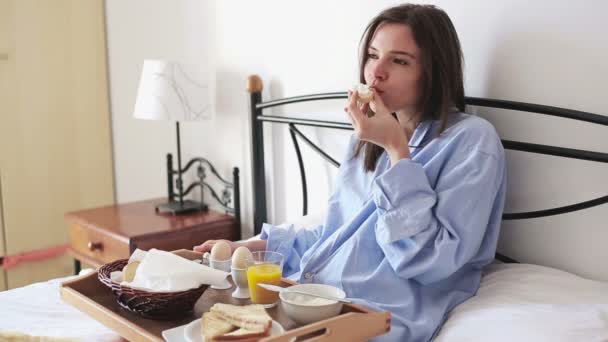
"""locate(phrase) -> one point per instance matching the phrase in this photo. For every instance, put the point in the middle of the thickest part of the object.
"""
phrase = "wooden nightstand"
(101, 235)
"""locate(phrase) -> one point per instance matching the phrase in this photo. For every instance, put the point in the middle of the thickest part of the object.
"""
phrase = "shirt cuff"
(404, 198)
(279, 239)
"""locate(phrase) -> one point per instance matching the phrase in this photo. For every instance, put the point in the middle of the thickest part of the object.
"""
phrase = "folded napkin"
(161, 271)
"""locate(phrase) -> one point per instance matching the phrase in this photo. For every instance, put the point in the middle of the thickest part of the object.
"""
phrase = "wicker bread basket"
(154, 305)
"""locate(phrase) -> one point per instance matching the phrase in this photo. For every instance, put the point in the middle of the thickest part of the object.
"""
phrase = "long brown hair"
(442, 87)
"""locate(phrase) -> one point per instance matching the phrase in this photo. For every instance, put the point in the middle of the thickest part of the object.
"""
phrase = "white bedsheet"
(37, 310)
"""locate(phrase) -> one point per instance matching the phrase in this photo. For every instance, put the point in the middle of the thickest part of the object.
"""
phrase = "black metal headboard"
(230, 198)
(255, 86)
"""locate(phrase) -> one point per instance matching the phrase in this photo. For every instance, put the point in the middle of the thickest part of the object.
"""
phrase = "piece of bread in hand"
(365, 92)
(213, 325)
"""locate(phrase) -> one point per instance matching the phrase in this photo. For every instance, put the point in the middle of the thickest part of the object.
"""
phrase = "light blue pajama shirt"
(413, 238)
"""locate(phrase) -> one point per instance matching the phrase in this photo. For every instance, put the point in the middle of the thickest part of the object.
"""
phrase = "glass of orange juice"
(264, 267)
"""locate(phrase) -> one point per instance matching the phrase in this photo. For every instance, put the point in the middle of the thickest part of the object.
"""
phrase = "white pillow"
(523, 302)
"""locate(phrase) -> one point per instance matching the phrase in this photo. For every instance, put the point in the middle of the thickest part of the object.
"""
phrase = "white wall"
(547, 52)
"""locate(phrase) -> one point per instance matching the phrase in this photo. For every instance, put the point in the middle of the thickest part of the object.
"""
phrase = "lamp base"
(176, 209)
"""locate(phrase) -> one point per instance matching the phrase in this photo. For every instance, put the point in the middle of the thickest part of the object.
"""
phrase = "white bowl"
(305, 310)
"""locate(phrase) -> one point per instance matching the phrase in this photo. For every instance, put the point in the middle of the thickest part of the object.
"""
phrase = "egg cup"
(239, 277)
(222, 265)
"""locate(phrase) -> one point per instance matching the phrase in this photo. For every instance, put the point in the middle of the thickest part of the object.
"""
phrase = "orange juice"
(266, 274)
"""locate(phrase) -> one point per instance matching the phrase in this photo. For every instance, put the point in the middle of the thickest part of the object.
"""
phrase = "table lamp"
(175, 92)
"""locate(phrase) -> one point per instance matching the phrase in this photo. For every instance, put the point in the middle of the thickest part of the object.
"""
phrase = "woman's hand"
(207, 245)
(381, 129)
(252, 245)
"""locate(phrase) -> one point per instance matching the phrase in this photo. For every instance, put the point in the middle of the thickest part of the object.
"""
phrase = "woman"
(416, 212)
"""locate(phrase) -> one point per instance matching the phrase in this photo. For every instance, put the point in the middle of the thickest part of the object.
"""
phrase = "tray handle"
(352, 326)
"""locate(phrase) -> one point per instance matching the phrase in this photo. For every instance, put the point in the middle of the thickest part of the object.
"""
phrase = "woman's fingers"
(352, 100)
(208, 245)
(365, 108)
(377, 104)
(353, 107)
(357, 115)
(205, 247)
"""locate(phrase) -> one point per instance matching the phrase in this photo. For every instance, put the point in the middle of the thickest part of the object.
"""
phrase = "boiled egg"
(240, 256)
(221, 251)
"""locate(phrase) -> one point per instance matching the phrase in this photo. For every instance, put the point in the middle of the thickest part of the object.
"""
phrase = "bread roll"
(365, 93)
(128, 272)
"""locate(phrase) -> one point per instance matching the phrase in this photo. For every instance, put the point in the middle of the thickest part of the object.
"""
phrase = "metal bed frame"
(230, 198)
(258, 119)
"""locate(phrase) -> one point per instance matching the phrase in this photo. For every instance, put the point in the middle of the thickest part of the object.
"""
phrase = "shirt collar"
(420, 133)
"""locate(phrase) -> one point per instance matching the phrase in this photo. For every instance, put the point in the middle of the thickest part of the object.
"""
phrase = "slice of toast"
(213, 325)
(250, 317)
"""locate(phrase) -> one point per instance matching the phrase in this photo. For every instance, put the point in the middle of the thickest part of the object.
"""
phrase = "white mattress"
(37, 310)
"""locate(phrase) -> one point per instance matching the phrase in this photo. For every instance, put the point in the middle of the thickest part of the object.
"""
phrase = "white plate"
(175, 334)
(193, 333)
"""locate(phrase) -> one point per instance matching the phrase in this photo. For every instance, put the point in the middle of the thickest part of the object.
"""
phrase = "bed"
(515, 301)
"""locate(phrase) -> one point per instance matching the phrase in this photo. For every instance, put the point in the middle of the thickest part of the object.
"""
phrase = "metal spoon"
(275, 288)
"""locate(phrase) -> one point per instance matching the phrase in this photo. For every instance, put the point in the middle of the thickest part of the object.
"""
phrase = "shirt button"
(308, 276)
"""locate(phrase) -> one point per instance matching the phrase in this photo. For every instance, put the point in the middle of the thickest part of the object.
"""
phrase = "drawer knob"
(95, 246)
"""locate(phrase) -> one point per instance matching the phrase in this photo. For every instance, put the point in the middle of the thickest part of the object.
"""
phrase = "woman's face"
(394, 67)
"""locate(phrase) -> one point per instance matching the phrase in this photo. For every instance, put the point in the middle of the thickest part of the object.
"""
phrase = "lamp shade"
(172, 91)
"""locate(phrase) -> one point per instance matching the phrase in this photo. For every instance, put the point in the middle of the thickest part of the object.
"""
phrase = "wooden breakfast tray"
(88, 294)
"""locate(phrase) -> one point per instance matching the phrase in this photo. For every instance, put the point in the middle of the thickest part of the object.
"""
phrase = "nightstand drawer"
(94, 245)
(105, 234)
